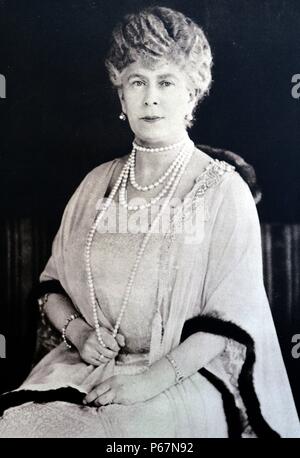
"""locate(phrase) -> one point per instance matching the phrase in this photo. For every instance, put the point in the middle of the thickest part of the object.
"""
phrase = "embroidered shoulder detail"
(212, 175)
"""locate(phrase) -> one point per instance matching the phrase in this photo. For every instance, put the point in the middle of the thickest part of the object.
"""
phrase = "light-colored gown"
(215, 271)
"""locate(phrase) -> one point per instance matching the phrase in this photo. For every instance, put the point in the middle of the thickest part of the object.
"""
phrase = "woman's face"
(156, 101)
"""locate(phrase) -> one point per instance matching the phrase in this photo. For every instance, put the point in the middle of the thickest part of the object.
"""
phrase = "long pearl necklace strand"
(93, 300)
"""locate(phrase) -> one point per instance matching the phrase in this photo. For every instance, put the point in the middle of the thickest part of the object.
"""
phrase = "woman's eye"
(165, 83)
(138, 83)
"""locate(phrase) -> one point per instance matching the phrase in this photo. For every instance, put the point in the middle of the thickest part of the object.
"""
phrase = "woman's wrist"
(160, 375)
(77, 331)
(178, 372)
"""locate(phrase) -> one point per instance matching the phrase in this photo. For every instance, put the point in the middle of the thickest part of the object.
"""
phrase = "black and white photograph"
(150, 220)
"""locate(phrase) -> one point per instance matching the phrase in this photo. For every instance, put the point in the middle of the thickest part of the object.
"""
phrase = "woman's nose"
(148, 102)
(151, 97)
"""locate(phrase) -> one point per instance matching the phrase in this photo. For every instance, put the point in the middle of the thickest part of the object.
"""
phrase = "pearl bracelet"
(178, 373)
(64, 328)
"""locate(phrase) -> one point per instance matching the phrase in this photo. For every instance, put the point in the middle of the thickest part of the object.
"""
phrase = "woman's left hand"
(123, 389)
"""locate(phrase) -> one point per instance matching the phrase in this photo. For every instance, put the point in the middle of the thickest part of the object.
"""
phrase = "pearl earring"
(122, 116)
(189, 117)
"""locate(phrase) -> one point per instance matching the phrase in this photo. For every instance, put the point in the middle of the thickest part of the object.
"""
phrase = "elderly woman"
(155, 278)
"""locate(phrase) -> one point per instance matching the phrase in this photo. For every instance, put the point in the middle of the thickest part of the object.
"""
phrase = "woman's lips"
(151, 119)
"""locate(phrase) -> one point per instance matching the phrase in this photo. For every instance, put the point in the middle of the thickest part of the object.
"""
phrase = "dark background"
(60, 117)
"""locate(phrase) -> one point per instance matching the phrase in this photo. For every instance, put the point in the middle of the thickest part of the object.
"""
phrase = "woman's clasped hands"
(92, 352)
(119, 389)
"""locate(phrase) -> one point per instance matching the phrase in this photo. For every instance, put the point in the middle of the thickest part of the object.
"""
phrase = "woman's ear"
(121, 97)
(191, 102)
(192, 97)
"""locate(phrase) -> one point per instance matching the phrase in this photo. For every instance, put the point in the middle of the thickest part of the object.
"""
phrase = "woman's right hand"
(90, 349)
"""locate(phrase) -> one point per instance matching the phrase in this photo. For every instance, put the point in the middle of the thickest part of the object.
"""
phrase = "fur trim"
(217, 326)
(17, 398)
(232, 413)
(49, 286)
(245, 169)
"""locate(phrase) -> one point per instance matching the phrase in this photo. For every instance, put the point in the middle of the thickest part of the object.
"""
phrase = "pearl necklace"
(153, 201)
(91, 233)
(157, 150)
(156, 183)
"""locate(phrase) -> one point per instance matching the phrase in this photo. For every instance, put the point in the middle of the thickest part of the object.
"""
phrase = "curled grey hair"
(161, 33)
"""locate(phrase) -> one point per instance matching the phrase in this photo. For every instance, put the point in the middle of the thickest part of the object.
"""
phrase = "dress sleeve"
(234, 269)
(51, 270)
(236, 306)
(80, 207)
(51, 281)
